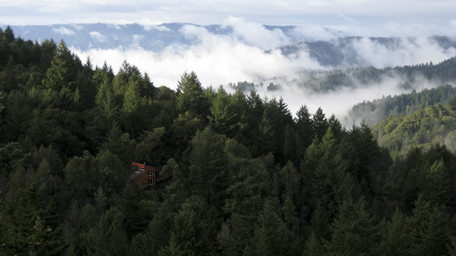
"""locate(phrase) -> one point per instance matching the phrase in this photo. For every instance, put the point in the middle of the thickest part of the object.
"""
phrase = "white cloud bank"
(240, 56)
(98, 36)
(63, 31)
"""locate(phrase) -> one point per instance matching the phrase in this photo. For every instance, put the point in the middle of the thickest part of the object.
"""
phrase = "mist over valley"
(312, 64)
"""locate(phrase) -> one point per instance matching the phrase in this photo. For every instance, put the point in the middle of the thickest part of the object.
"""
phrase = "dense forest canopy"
(239, 174)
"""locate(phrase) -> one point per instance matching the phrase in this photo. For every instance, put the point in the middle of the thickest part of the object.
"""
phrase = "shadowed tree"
(61, 73)
(208, 173)
(354, 231)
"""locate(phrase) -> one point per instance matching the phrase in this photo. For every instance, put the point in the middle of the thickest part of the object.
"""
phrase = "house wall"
(145, 179)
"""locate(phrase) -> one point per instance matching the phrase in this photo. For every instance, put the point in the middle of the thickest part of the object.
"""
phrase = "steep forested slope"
(399, 105)
(241, 175)
(434, 124)
(406, 77)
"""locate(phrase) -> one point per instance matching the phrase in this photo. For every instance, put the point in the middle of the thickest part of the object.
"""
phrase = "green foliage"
(208, 174)
(191, 97)
(354, 231)
(235, 173)
(194, 227)
(374, 112)
(108, 237)
(434, 124)
(271, 237)
(431, 230)
(396, 238)
(60, 75)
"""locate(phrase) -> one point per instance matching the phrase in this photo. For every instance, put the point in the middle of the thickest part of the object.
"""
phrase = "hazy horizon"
(241, 55)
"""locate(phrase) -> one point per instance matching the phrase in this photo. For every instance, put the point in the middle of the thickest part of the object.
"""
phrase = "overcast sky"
(358, 17)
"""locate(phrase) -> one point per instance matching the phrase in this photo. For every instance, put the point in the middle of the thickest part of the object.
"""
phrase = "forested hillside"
(405, 104)
(241, 175)
(405, 77)
(434, 124)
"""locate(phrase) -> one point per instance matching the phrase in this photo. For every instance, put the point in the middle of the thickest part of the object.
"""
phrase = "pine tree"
(266, 138)
(319, 123)
(271, 237)
(431, 230)
(120, 144)
(289, 214)
(439, 186)
(108, 237)
(290, 145)
(222, 118)
(313, 246)
(191, 97)
(195, 227)
(354, 231)
(319, 224)
(396, 236)
(134, 218)
(60, 75)
(304, 132)
(208, 161)
(132, 104)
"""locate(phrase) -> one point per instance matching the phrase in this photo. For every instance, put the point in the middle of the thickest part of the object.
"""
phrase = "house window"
(144, 184)
(150, 172)
(150, 181)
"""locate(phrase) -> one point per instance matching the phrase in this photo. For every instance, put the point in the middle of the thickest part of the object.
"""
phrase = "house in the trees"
(143, 175)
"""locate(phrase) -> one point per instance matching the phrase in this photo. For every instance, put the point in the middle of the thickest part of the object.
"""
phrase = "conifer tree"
(431, 229)
(191, 97)
(195, 227)
(60, 75)
(319, 123)
(354, 231)
(222, 118)
(132, 104)
(304, 131)
(208, 161)
(313, 246)
(271, 237)
(289, 214)
(396, 239)
(108, 237)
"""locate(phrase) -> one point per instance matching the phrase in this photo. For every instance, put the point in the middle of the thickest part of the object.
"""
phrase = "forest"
(238, 174)
(401, 105)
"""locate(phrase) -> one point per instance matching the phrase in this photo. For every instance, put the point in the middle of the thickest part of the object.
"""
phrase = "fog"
(241, 56)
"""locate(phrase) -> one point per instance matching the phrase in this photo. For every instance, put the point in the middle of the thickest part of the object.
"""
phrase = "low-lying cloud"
(63, 31)
(98, 36)
(242, 56)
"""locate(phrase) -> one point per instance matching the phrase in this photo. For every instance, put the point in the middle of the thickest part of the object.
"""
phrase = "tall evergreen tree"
(319, 123)
(191, 97)
(132, 105)
(222, 118)
(61, 74)
(271, 237)
(195, 228)
(208, 173)
(108, 237)
(354, 231)
(396, 236)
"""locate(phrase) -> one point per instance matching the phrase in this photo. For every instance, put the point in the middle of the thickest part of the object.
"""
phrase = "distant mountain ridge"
(149, 37)
(342, 51)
